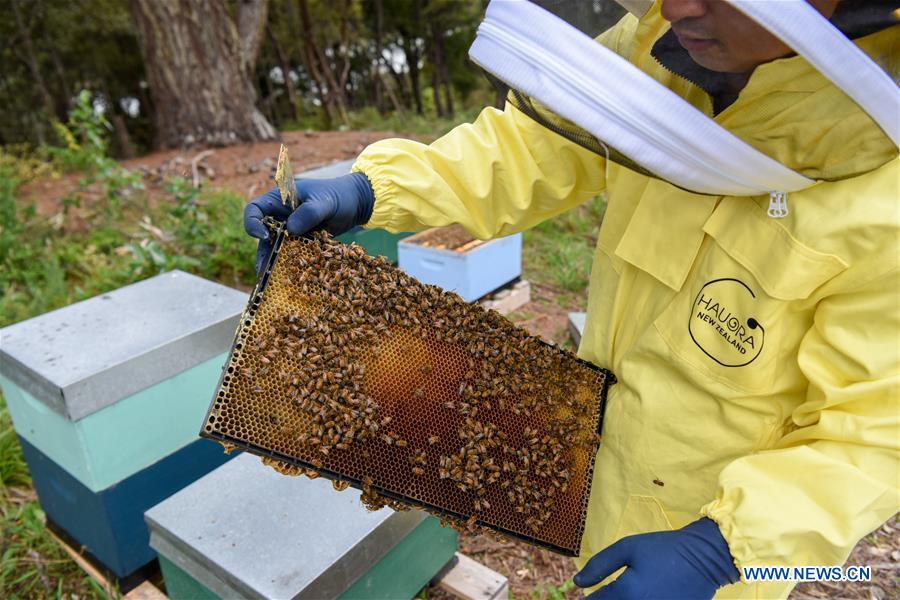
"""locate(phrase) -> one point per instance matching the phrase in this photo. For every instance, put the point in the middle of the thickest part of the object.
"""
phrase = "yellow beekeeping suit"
(757, 358)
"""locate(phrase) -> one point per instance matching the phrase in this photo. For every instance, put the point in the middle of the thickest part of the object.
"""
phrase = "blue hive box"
(106, 396)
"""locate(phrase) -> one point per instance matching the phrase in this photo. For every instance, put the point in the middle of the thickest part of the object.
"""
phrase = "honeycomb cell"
(345, 367)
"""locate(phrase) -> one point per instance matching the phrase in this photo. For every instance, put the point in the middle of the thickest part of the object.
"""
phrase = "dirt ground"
(247, 169)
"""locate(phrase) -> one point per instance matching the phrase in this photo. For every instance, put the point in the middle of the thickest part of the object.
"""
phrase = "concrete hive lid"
(86, 356)
(246, 531)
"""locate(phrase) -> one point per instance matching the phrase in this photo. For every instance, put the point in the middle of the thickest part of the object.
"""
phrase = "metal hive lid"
(317, 540)
(86, 356)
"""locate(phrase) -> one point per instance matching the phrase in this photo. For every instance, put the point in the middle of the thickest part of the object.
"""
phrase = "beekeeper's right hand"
(335, 205)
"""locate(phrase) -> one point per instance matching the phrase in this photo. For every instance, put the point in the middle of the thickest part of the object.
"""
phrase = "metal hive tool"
(344, 366)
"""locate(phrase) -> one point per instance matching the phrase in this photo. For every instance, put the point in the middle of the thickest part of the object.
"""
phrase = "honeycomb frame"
(466, 503)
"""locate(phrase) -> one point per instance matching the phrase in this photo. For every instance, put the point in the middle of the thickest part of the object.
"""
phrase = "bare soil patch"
(246, 169)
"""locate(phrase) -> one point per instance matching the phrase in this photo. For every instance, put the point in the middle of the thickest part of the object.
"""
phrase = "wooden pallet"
(471, 580)
(508, 298)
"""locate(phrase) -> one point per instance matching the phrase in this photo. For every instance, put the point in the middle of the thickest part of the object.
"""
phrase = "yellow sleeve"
(836, 476)
(499, 175)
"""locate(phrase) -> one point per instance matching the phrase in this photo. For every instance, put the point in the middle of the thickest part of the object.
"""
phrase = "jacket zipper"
(778, 206)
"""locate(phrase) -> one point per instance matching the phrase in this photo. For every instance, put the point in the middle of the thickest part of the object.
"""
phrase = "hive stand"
(106, 396)
(376, 242)
(247, 531)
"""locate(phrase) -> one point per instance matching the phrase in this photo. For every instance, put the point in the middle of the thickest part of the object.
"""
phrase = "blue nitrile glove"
(335, 205)
(691, 562)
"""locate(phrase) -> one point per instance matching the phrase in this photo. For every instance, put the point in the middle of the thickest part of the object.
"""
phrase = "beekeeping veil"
(560, 76)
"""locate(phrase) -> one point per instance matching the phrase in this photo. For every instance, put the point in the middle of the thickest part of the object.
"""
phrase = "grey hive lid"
(247, 531)
(88, 355)
(335, 169)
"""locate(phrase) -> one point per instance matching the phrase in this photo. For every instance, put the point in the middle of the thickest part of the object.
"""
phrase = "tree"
(251, 20)
(196, 70)
(30, 59)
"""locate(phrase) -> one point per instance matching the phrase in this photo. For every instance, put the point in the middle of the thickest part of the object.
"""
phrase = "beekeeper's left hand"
(691, 562)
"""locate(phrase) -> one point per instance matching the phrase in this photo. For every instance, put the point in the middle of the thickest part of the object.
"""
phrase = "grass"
(558, 252)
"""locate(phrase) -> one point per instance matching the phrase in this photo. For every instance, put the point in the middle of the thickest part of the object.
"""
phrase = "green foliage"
(86, 150)
(24, 164)
(369, 119)
(208, 233)
(559, 251)
(42, 269)
(13, 470)
(552, 592)
(73, 44)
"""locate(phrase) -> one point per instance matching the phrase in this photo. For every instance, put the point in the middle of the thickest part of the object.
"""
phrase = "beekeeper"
(746, 286)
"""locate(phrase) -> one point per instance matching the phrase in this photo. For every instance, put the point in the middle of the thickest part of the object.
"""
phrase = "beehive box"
(105, 395)
(346, 367)
(450, 258)
(376, 242)
(244, 531)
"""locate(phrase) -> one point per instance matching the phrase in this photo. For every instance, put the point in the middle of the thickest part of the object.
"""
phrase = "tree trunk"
(321, 69)
(412, 55)
(343, 49)
(285, 65)
(435, 82)
(379, 49)
(65, 91)
(34, 68)
(311, 55)
(395, 101)
(201, 92)
(439, 75)
(123, 139)
(251, 20)
(412, 60)
(443, 71)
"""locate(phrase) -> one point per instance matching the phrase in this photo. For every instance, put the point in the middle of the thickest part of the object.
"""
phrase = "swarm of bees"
(346, 367)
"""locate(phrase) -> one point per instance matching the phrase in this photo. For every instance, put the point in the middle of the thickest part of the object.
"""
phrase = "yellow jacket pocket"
(741, 313)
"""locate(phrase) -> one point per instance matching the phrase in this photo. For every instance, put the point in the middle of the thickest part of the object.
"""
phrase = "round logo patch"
(722, 323)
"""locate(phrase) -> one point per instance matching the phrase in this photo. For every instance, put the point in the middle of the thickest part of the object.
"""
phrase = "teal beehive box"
(247, 531)
(106, 396)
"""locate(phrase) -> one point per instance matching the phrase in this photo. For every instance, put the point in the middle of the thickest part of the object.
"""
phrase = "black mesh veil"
(853, 18)
(591, 17)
